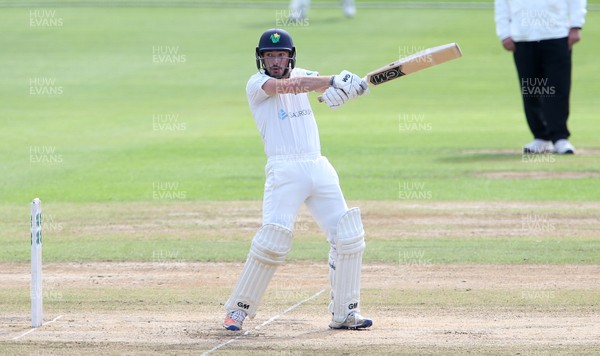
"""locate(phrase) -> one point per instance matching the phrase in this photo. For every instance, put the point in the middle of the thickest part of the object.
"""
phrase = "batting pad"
(350, 245)
(270, 246)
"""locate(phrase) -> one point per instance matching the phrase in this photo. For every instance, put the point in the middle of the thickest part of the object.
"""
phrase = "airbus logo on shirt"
(284, 115)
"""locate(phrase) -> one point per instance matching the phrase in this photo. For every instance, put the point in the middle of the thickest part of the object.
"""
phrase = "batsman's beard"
(277, 72)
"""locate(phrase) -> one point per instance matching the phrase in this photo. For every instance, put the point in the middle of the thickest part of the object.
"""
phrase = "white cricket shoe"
(563, 147)
(299, 10)
(353, 321)
(539, 146)
(234, 320)
(349, 8)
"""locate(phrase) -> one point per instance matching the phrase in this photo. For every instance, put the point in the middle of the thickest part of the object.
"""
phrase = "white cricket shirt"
(285, 121)
(536, 20)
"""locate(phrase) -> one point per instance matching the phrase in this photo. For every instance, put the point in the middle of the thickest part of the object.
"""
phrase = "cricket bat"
(413, 63)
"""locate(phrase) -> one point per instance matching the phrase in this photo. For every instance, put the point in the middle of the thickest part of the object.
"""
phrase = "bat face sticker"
(413, 63)
(386, 75)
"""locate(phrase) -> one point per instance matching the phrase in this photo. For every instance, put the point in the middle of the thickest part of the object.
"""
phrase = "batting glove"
(334, 97)
(351, 84)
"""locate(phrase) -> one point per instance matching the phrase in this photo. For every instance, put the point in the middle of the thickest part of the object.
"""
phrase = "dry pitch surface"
(417, 308)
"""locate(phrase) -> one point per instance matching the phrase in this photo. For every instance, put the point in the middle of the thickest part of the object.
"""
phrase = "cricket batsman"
(297, 173)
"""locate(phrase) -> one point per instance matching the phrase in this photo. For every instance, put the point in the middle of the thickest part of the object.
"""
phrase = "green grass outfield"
(90, 112)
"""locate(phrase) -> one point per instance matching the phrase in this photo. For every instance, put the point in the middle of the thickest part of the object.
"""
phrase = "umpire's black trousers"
(544, 69)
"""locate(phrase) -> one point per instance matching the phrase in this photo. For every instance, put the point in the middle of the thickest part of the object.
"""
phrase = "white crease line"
(34, 329)
(265, 323)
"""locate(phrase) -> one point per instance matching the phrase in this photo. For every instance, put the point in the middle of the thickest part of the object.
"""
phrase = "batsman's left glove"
(351, 84)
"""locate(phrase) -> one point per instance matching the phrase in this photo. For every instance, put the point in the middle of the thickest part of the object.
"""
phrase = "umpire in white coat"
(541, 34)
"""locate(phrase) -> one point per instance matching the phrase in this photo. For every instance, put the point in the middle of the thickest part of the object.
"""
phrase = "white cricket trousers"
(308, 178)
